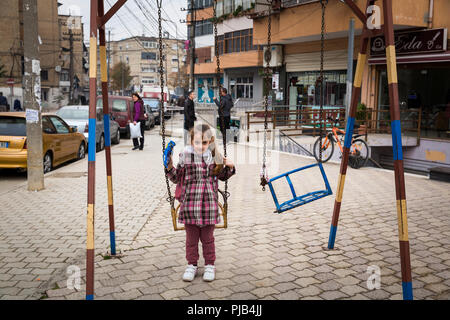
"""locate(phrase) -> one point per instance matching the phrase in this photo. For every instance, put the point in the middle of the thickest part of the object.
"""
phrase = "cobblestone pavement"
(262, 255)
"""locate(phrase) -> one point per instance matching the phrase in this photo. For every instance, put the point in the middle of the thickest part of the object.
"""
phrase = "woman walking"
(138, 115)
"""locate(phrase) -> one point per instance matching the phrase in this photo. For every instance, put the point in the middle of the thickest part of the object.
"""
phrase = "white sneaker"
(210, 273)
(190, 272)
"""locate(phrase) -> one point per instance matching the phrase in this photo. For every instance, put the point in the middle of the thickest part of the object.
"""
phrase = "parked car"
(61, 143)
(151, 118)
(155, 106)
(121, 109)
(78, 116)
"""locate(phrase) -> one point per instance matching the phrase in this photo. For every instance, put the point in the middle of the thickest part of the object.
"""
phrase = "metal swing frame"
(296, 200)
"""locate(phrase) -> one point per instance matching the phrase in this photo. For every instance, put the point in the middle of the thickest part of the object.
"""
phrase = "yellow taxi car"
(61, 143)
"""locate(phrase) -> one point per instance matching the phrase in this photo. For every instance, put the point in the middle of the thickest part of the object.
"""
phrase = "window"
(148, 55)
(202, 28)
(60, 126)
(148, 69)
(241, 87)
(119, 105)
(148, 80)
(202, 3)
(64, 76)
(175, 69)
(150, 44)
(47, 126)
(175, 46)
(174, 59)
(335, 87)
(44, 75)
(237, 41)
(44, 95)
(12, 126)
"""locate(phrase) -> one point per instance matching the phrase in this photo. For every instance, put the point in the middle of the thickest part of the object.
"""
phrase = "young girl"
(198, 172)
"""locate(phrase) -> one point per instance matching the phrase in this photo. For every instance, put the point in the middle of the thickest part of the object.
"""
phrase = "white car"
(78, 116)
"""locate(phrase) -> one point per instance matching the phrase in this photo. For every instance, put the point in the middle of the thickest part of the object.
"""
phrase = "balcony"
(293, 3)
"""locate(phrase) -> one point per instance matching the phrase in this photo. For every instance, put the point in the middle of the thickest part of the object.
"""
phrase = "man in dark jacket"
(225, 104)
(189, 114)
(4, 105)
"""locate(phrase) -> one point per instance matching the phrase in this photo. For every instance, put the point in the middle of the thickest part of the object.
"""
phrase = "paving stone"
(263, 292)
(310, 290)
(333, 295)
(128, 295)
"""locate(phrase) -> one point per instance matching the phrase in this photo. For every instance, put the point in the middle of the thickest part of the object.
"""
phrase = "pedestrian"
(138, 115)
(189, 115)
(225, 104)
(4, 105)
(197, 174)
(17, 105)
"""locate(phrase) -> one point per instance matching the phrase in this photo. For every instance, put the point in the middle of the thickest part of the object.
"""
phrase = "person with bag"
(138, 116)
(196, 176)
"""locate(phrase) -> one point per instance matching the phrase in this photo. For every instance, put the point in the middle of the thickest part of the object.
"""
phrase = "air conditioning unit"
(58, 68)
(277, 56)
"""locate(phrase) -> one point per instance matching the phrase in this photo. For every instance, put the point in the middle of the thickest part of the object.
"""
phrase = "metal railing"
(307, 121)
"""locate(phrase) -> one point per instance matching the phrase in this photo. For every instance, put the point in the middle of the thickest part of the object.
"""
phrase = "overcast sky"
(131, 21)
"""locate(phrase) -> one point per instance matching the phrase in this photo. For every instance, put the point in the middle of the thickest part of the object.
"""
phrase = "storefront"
(303, 71)
(423, 79)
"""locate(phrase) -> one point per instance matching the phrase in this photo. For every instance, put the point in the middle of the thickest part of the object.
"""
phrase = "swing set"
(297, 200)
(98, 20)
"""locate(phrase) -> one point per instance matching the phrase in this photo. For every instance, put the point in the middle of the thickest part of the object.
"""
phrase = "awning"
(420, 58)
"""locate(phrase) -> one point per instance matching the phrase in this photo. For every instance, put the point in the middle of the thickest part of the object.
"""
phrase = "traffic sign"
(10, 82)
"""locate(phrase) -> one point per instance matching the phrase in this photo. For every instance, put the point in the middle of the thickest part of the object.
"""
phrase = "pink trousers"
(206, 234)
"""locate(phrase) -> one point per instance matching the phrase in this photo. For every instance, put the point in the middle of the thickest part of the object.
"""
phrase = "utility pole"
(71, 75)
(351, 41)
(32, 92)
(192, 43)
(123, 79)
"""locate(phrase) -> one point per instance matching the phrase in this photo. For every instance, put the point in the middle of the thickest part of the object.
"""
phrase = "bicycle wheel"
(359, 154)
(327, 149)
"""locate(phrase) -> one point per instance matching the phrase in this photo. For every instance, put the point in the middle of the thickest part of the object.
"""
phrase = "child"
(198, 172)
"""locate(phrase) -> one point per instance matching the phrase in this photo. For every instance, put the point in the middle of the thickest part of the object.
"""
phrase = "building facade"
(240, 60)
(421, 32)
(53, 52)
(141, 54)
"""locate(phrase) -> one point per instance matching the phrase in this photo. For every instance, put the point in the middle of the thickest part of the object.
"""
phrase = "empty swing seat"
(296, 200)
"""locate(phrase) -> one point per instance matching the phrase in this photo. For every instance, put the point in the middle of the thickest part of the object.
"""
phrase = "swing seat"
(223, 212)
(296, 200)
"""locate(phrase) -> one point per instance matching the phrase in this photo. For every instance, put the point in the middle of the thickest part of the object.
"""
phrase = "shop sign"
(424, 41)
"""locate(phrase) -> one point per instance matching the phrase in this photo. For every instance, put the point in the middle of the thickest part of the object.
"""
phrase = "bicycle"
(359, 150)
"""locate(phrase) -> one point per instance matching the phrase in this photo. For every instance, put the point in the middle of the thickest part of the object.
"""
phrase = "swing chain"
(219, 85)
(321, 77)
(163, 122)
(267, 57)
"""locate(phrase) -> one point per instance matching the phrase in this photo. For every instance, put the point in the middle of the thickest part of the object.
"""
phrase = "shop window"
(303, 91)
(420, 88)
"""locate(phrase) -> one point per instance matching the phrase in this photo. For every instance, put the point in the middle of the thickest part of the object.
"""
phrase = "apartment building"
(72, 46)
(52, 49)
(142, 55)
(240, 60)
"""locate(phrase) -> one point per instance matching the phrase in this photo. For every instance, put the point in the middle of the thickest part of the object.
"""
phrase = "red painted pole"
(91, 153)
(107, 129)
(391, 62)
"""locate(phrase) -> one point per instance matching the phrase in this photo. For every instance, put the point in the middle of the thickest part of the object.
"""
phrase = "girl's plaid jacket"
(199, 193)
